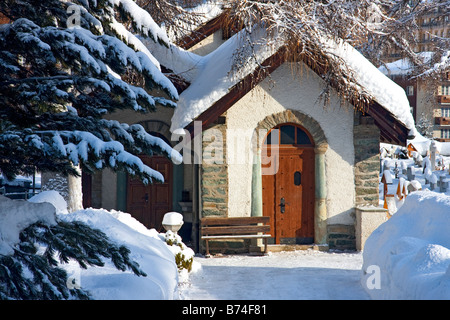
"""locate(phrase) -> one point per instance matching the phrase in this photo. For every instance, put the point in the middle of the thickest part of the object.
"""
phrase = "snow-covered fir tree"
(425, 125)
(64, 66)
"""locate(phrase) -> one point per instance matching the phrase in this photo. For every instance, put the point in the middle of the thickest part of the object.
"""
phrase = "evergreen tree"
(425, 126)
(63, 67)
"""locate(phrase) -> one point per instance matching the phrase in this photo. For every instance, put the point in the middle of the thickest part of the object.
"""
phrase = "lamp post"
(172, 221)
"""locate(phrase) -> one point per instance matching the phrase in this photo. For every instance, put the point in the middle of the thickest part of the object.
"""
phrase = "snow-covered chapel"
(261, 145)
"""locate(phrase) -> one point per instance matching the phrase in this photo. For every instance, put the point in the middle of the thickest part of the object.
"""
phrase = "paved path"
(279, 276)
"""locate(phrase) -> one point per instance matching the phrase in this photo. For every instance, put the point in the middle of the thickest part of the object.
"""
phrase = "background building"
(430, 102)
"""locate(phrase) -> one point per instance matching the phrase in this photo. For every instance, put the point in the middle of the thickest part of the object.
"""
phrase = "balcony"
(442, 121)
(444, 99)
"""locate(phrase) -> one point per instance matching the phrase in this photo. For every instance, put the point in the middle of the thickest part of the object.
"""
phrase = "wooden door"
(148, 204)
(288, 193)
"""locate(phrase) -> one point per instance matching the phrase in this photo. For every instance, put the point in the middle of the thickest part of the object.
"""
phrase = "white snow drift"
(411, 251)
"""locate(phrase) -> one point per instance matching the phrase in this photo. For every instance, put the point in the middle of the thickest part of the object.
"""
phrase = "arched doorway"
(149, 203)
(288, 190)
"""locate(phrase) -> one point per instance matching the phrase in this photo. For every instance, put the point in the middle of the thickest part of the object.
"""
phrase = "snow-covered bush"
(408, 257)
(184, 256)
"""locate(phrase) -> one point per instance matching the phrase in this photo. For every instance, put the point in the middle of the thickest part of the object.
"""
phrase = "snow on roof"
(211, 76)
(204, 12)
(215, 77)
(422, 145)
(403, 67)
(383, 90)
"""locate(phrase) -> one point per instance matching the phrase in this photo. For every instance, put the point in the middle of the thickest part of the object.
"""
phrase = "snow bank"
(147, 248)
(412, 250)
(53, 197)
(16, 215)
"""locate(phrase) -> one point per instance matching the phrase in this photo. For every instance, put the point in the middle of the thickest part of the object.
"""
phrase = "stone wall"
(341, 237)
(214, 172)
(367, 160)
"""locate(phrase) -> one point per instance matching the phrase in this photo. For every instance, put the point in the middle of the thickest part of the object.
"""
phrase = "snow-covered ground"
(292, 275)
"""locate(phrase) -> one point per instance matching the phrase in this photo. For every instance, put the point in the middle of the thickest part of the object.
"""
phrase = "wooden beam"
(392, 129)
(201, 33)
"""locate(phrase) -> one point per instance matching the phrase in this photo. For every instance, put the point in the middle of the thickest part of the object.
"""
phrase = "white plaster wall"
(208, 44)
(295, 90)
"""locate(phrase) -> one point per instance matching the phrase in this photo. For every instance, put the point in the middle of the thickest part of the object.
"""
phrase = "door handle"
(282, 205)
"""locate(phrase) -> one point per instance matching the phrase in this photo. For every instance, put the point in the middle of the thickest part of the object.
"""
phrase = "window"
(445, 90)
(445, 133)
(410, 90)
(445, 112)
(288, 134)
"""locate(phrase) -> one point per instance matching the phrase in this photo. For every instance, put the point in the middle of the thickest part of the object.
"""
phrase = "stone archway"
(299, 118)
(321, 146)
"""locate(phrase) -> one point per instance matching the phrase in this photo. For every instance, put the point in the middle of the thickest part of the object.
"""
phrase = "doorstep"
(295, 247)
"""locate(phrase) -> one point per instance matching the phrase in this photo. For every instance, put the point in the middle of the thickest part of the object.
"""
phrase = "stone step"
(295, 247)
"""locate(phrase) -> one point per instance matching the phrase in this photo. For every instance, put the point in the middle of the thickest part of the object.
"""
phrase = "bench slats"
(248, 236)
(234, 230)
(234, 221)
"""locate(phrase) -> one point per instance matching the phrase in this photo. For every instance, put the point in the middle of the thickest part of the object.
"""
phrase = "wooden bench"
(235, 228)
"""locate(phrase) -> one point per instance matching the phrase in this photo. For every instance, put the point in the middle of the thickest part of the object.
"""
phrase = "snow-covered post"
(433, 149)
(443, 183)
(386, 179)
(433, 181)
(411, 173)
(403, 166)
(427, 175)
(75, 194)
